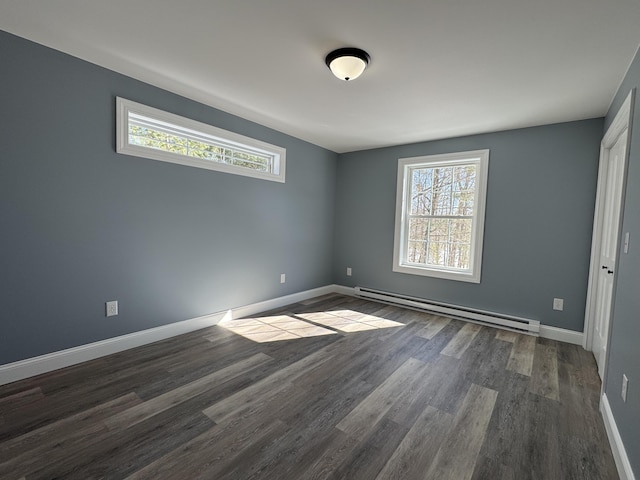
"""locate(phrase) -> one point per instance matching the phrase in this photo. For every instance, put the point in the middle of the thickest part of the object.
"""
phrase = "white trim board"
(617, 447)
(621, 122)
(561, 335)
(30, 367)
(341, 289)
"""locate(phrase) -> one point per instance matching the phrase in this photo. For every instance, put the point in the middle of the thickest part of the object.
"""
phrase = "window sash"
(444, 181)
(151, 133)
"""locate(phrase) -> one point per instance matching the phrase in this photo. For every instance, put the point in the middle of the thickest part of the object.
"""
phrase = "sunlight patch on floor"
(291, 326)
(346, 320)
(274, 328)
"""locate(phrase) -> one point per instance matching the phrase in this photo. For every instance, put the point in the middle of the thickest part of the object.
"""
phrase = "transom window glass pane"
(151, 133)
(147, 132)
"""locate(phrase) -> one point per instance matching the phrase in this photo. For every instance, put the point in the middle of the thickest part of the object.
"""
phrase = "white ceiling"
(440, 68)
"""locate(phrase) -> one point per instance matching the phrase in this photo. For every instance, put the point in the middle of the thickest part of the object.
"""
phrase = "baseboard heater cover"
(499, 320)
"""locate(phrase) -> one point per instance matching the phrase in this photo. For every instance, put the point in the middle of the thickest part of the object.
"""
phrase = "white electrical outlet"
(558, 304)
(625, 385)
(348, 271)
(626, 242)
(111, 308)
(282, 278)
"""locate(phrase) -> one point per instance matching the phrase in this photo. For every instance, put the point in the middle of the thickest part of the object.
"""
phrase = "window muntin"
(440, 215)
(151, 133)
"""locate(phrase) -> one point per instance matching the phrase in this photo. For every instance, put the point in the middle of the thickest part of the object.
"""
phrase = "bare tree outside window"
(441, 215)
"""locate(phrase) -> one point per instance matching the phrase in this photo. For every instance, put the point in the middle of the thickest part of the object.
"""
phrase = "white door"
(608, 248)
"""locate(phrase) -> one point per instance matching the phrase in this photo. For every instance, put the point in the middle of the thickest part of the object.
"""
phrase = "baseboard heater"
(499, 320)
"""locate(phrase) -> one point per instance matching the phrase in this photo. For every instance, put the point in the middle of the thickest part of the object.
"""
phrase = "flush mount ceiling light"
(347, 63)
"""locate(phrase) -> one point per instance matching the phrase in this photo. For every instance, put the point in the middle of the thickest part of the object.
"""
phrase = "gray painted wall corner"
(539, 217)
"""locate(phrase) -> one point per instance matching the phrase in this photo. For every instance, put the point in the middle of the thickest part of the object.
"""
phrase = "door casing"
(621, 122)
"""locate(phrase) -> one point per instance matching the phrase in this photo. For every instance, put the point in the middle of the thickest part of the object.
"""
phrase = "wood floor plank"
(506, 438)
(327, 459)
(309, 425)
(581, 455)
(447, 384)
(506, 335)
(305, 436)
(430, 350)
(522, 353)
(210, 452)
(433, 327)
(20, 398)
(456, 457)
(354, 362)
(490, 468)
(365, 416)
(411, 404)
(484, 358)
(369, 455)
(576, 420)
(389, 359)
(265, 389)
(459, 344)
(250, 464)
(418, 448)
(118, 454)
(54, 406)
(544, 374)
(11, 405)
(159, 404)
(37, 448)
(203, 364)
(545, 441)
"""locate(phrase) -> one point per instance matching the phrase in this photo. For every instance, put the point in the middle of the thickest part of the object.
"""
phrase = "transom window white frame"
(403, 261)
(148, 132)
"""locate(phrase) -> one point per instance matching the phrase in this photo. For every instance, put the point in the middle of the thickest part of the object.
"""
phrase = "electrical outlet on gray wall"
(111, 308)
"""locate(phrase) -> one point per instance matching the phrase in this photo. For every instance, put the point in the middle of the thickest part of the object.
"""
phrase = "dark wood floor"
(332, 388)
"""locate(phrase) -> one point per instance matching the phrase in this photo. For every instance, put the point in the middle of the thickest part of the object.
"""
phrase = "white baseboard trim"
(30, 367)
(341, 289)
(617, 447)
(561, 334)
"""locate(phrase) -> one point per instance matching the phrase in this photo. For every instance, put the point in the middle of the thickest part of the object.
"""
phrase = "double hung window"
(440, 215)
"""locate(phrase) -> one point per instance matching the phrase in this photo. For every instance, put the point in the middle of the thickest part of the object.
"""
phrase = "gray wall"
(624, 352)
(539, 216)
(82, 225)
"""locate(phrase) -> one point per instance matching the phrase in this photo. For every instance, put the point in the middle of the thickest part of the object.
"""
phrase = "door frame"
(621, 122)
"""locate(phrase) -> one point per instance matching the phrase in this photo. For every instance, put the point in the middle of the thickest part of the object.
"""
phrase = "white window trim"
(481, 159)
(124, 107)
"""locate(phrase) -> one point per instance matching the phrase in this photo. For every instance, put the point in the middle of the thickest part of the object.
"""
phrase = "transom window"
(440, 215)
(151, 133)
